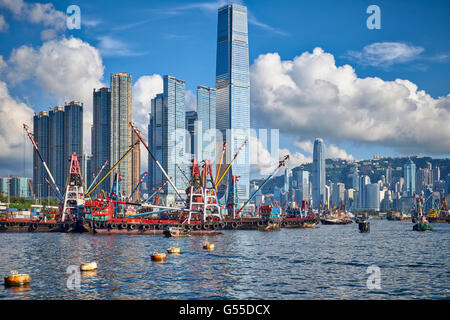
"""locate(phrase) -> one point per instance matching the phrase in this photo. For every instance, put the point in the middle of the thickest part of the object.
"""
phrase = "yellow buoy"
(159, 256)
(173, 250)
(209, 246)
(88, 266)
(17, 279)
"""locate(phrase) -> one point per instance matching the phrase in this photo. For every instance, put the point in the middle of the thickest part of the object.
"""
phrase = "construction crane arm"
(111, 170)
(138, 185)
(98, 174)
(138, 133)
(229, 166)
(280, 164)
(30, 135)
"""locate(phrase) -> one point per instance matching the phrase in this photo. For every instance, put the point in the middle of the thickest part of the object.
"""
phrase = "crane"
(281, 163)
(138, 185)
(138, 133)
(96, 177)
(229, 165)
(111, 170)
(30, 135)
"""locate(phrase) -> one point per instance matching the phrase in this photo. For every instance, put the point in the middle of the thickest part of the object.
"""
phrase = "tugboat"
(270, 218)
(422, 225)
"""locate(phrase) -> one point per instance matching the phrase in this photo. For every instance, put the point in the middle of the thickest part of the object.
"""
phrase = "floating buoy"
(159, 256)
(17, 279)
(209, 246)
(173, 250)
(88, 266)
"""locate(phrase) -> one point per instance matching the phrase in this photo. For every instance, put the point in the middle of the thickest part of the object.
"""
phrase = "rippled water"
(325, 263)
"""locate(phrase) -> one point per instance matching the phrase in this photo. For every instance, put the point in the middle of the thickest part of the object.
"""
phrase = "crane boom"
(138, 133)
(280, 164)
(229, 166)
(111, 170)
(30, 135)
(98, 174)
(137, 186)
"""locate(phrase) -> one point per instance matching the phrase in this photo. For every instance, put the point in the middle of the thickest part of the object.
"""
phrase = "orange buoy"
(173, 250)
(159, 256)
(17, 279)
(88, 266)
(209, 246)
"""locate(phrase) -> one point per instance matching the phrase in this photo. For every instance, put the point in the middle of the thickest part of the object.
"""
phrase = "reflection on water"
(325, 263)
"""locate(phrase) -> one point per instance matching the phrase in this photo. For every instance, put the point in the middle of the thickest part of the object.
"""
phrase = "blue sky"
(179, 38)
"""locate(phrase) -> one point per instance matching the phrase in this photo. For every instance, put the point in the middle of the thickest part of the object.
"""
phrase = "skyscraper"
(191, 118)
(233, 88)
(167, 135)
(206, 117)
(56, 146)
(121, 138)
(101, 134)
(73, 132)
(41, 136)
(136, 166)
(409, 173)
(318, 174)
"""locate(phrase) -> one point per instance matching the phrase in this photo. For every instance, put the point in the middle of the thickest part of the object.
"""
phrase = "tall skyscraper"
(136, 166)
(409, 173)
(121, 138)
(191, 118)
(206, 117)
(56, 146)
(101, 134)
(318, 174)
(303, 185)
(73, 132)
(372, 196)
(86, 169)
(41, 136)
(362, 198)
(233, 88)
(166, 135)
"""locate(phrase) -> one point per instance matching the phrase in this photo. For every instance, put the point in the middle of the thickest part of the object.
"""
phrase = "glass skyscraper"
(73, 133)
(166, 134)
(206, 117)
(56, 146)
(41, 136)
(101, 134)
(191, 118)
(233, 88)
(409, 173)
(121, 138)
(318, 174)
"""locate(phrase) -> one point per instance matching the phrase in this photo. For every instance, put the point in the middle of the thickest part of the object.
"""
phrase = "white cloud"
(145, 89)
(68, 69)
(331, 151)
(385, 53)
(310, 97)
(38, 13)
(3, 24)
(13, 114)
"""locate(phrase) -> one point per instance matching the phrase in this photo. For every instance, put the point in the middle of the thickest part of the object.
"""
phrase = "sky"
(316, 69)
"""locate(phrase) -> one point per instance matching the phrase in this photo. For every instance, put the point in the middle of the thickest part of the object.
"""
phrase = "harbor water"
(330, 262)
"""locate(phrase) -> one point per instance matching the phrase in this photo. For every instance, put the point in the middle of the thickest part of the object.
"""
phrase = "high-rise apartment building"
(73, 133)
(121, 138)
(56, 146)
(318, 173)
(233, 89)
(191, 118)
(41, 136)
(101, 134)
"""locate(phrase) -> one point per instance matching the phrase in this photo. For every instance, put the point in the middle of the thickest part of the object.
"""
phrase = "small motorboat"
(336, 221)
